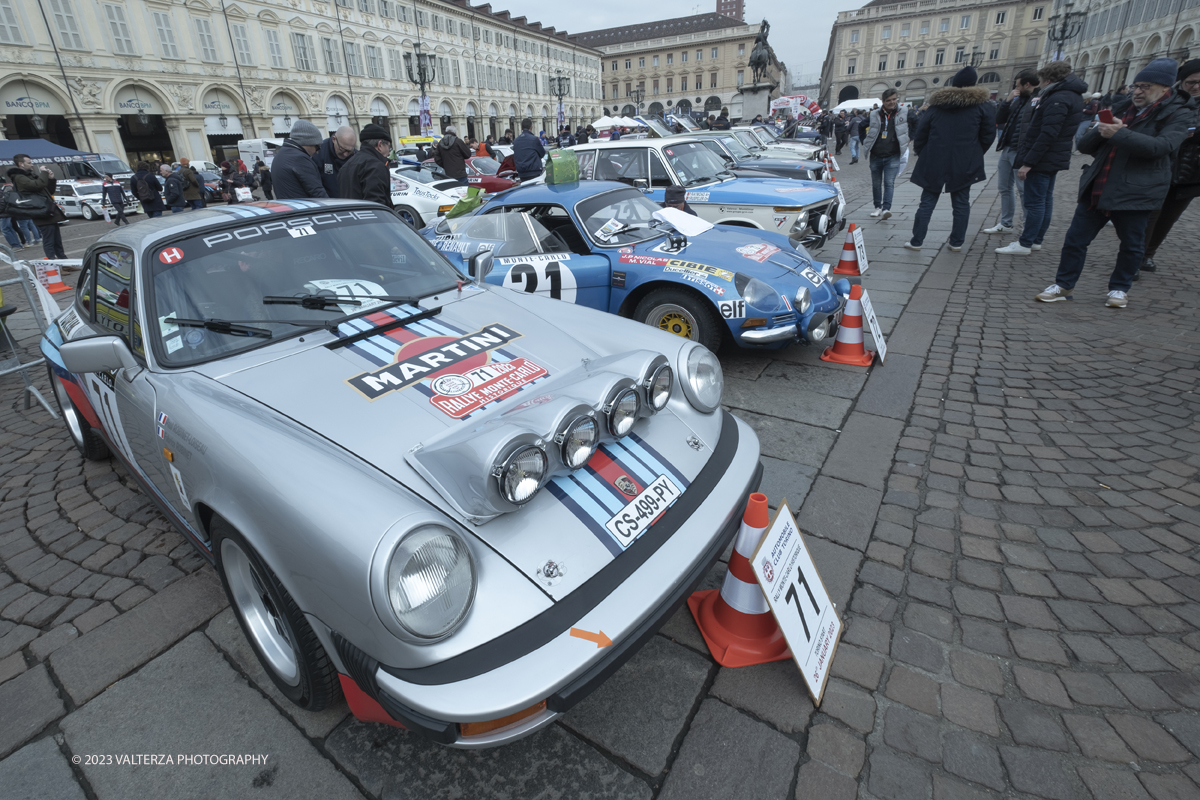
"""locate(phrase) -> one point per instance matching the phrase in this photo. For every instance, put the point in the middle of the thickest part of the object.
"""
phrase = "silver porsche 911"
(461, 506)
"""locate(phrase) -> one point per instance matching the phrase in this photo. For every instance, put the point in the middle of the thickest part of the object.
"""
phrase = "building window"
(274, 48)
(628, 88)
(742, 49)
(208, 44)
(901, 58)
(614, 68)
(396, 66)
(1031, 47)
(354, 63)
(166, 36)
(683, 56)
(641, 62)
(670, 58)
(1001, 16)
(437, 22)
(741, 77)
(304, 52)
(402, 13)
(1038, 12)
(366, 6)
(905, 29)
(886, 33)
(628, 64)
(122, 40)
(64, 20)
(925, 28)
(883, 63)
(851, 66)
(10, 32)
(853, 37)
(385, 8)
(333, 61)
(241, 44)
(699, 55)
(654, 88)
(964, 22)
(939, 57)
(423, 20)
(714, 54)
(655, 61)
(960, 54)
(457, 73)
(944, 25)
(374, 62)
(683, 83)
(712, 81)
(920, 61)
(470, 74)
(670, 85)
(994, 53)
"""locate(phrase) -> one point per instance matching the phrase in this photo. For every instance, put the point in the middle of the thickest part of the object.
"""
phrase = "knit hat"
(1161, 71)
(1189, 68)
(967, 76)
(373, 131)
(675, 194)
(305, 133)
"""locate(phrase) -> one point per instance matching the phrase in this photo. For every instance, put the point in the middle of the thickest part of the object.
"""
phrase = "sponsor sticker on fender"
(759, 252)
(697, 197)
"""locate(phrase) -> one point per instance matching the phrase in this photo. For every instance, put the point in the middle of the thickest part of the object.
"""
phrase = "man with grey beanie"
(293, 172)
(1127, 180)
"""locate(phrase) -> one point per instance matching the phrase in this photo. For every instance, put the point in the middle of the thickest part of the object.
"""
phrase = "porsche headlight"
(430, 581)
(757, 293)
(622, 412)
(579, 442)
(703, 382)
(658, 387)
(520, 476)
(803, 300)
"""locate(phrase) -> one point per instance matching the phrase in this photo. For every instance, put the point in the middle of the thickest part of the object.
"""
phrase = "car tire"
(274, 625)
(682, 313)
(87, 440)
(410, 216)
(89, 213)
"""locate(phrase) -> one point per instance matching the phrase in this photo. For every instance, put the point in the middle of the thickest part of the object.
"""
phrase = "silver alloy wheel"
(264, 622)
(70, 414)
(675, 319)
(89, 213)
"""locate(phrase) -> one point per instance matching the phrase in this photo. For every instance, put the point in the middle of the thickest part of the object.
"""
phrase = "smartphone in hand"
(1106, 117)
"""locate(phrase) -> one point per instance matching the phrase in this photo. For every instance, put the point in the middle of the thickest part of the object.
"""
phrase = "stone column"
(179, 139)
(102, 132)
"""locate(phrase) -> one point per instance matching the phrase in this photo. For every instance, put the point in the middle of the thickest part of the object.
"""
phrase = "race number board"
(860, 247)
(873, 322)
(836, 168)
(798, 599)
(841, 197)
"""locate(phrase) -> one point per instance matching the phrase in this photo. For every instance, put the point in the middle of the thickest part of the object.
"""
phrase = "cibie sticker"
(732, 309)
(171, 255)
(759, 252)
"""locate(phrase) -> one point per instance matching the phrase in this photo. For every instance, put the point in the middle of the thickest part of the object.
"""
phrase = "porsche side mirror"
(641, 184)
(480, 265)
(97, 354)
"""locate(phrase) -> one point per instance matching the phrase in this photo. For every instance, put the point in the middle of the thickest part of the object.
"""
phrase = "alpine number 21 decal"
(545, 274)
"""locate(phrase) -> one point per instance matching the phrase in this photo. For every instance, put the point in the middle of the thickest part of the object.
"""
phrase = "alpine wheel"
(682, 313)
(411, 217)
(88, 441)
(273, 623)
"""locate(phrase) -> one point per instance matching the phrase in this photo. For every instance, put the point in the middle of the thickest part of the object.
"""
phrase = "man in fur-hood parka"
(952, 136)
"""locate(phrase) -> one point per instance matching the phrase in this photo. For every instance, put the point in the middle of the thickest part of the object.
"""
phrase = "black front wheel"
(682, 313)
(410, 216)
(87, 440)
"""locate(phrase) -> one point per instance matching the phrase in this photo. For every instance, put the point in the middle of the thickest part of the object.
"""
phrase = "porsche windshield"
(620, 217)
(225, 274)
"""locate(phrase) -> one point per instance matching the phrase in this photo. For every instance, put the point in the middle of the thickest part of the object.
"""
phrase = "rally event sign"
(860, 247)
(873, 322)
(798, 599)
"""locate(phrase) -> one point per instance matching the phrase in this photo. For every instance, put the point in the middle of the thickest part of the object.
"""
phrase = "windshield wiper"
(378, 329)
(701, 179)
(232, 327)
(319, 302)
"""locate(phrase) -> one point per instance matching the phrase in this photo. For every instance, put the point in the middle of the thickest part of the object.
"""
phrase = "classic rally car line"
(804, 148)
(808, 212)
(423, 192)
(726, 146)
(416, 489)
(599, 244)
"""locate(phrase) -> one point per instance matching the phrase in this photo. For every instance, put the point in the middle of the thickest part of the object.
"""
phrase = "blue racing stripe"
(601, 491)
(631, 465)
(652, 458)
(572, 503)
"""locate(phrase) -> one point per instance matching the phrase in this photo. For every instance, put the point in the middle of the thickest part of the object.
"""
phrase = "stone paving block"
(977, 671)
(840, 511)
(849, 704)
(974, 759)
(913, 690)
(17, 609)
(786, 480)
(838, 566)
(47, 643)
(774, 692)
(1033, 725)
(639, 712)
(45, 611)
(790, 441)
(837, 748)
(112, 589)
(1028, 612)
(917, 649)
(1137, 654)
(946, 787)
(970, 709)
(1168, 787)
(976, 603)
(727, 754)
(16, 638)
(1097, 739)
(200, 687)
(889, 391)
(985, 638)
(93, 661)
(898, 777)
(1110, 784)
(28, 703)
(227, 635)
(857, 665)
(95, 617)
(1142, 691)
(821, 781)
(913, 732)
(12, 666)
(39, 771)
(1040, 773)
(1038, 646)
(1185, 728)
(862, 453)
(1147, 738)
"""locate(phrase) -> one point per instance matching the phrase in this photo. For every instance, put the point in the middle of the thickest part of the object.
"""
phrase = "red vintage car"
(488, 173)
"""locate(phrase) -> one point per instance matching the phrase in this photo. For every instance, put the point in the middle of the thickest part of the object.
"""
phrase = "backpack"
(141, 187)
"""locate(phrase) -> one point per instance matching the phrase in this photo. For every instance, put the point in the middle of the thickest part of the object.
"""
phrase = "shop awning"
(41, 151)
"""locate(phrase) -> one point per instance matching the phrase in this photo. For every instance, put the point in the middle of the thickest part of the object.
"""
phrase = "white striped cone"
(848, 263)
(740, 589)
(848, 346)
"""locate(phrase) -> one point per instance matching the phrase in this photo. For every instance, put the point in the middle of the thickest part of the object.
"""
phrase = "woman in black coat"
(1185, 177)
(952, 135)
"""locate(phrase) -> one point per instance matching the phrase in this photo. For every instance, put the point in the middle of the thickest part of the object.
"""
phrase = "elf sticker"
(732, 309)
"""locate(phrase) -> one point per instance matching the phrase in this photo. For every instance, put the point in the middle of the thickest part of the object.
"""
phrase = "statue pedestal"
(756, 99)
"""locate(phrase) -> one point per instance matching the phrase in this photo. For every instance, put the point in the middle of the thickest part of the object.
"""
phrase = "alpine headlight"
(430, 581)
(803, 300)
(757, 293)
(703, 382)
(622, 412)
(579, 442)
(658, 387)
(520, 476)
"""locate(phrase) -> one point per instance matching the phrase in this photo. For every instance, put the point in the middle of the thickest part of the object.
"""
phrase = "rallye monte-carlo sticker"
(459, 371)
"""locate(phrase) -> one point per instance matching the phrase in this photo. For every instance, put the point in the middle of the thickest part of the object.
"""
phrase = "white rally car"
(421, 194)
(85, 198)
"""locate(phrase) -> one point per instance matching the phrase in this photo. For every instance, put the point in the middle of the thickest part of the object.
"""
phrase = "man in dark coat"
(528, 152)
(114, 195)
(854, 129)
(294, 174)
(264, 178)
(722, 122)
(332, 155)
(365, 176)
(1185, 179)
(952, 136)
(191, 184)
(451, 153)
(1008, 115)
(676, 197)
(42, 181)
(839, 128)
(1045, 150)
(147, 190)
(1127, 180)
(172, 189)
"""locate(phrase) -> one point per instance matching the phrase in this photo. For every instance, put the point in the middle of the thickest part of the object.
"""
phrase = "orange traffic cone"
(47, 273)
(848, 264)
(848, 347)
(736, 622)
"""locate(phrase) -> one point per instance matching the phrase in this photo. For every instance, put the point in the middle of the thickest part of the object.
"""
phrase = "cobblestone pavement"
(1007, 511)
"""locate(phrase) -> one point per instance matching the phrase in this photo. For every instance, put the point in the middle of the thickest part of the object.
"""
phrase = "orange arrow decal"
(599, 638)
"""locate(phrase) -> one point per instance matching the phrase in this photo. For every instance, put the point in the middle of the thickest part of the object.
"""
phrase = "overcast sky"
(799, 30)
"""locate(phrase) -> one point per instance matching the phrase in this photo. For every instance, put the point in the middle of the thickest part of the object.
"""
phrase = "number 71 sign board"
(797, 597)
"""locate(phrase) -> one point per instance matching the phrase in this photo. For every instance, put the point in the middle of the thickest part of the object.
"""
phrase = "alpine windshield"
(619, 217)
(224, 276)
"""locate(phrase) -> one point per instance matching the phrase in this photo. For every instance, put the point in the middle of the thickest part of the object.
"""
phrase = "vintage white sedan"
(422, 193)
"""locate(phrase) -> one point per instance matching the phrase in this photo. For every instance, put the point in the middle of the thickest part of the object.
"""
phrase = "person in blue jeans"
(1047, 140)
(10, 233)
(854, 126)
(952, 135)
(887, 139)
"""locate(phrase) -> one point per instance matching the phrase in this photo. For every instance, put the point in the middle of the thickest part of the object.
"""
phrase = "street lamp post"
(560, 87)
(422, 76)
(976, 56)
(637, 95)
(1063, 27)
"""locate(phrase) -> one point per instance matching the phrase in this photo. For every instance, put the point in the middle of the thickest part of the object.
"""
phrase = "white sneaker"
(886, 214)
(910, 246)
(877, 212)
(1053, 294)
(998, 228)
(1014, 249)
(954, 248)
(1035, 247)
(1116, 299)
